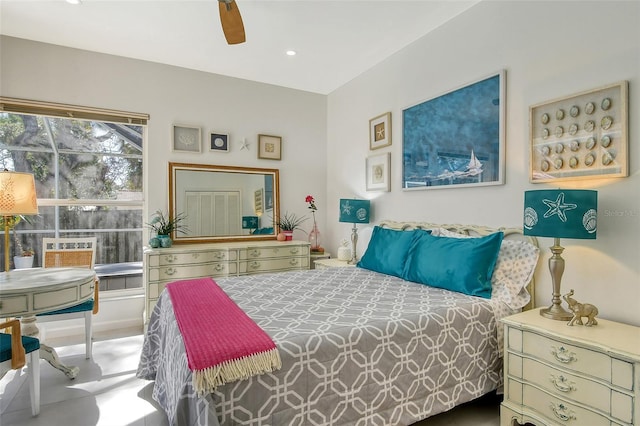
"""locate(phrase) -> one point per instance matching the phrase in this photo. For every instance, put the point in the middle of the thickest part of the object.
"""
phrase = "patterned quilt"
(357, 348)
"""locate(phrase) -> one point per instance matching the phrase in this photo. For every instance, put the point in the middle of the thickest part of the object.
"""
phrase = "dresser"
(164, 265)
(561, 375)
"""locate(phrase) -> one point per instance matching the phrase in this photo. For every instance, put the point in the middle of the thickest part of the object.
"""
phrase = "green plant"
(289, 221)
(163, 225)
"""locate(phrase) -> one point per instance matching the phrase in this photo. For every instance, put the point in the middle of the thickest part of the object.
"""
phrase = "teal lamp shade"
(249, 222)
(561, 213)
(354, 211)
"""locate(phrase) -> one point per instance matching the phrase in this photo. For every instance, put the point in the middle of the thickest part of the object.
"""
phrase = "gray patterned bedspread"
(357, 348)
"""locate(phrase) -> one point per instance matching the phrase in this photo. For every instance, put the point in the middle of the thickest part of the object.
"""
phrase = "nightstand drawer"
(561, 411)
(567, 356)
(566, 385)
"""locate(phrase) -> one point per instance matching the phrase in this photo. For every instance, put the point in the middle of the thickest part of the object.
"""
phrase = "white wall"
(549, 50)
(171, 95)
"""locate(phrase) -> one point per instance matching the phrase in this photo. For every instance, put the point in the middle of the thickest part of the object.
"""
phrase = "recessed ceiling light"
(291, 52)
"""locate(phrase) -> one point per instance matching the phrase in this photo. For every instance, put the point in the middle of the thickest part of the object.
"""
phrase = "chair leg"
(34, 381)
(88, 335)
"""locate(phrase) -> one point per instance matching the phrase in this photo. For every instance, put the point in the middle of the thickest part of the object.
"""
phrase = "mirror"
(223, 203)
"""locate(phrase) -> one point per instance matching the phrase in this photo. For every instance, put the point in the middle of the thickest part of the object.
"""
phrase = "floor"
(107, 393)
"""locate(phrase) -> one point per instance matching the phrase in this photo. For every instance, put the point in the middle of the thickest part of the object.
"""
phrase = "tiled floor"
(107, 393)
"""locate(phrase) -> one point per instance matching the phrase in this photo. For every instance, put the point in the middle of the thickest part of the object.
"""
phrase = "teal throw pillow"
(387, 251)
(464, 265)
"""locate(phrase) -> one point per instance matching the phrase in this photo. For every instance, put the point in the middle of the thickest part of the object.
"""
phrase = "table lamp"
(249, 222)
(560, 213)
(17, 197)
(354, 211)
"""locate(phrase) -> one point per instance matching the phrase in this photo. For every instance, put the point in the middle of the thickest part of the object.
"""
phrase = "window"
(88, 174)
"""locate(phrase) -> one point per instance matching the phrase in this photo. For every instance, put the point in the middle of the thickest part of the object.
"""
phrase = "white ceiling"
(335, 40)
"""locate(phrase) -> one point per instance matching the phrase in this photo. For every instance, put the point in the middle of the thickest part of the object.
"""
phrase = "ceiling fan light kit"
(231, 21)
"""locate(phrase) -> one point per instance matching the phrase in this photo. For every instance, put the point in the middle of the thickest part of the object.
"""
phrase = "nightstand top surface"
(620, 337)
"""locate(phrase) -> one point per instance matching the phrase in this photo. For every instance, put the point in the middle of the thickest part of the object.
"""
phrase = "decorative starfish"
(346, 208)
(558, 207)
(245, 144)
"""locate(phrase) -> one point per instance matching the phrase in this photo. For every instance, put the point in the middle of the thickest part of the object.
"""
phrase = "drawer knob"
(294, 250)
(562, 412)
(171, 271)
(293, 262)
(219, 255)
(563, 355)
(170, 258)
(562, 384)
(255, 253)
(219, 267)
(254, 265)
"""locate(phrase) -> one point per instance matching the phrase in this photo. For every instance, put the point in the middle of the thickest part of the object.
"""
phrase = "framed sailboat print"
(456, 139)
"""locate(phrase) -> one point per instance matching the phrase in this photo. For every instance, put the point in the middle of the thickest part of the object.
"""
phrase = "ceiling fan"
(231, 21)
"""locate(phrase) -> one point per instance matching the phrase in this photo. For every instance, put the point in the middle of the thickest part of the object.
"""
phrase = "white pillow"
(514, 269)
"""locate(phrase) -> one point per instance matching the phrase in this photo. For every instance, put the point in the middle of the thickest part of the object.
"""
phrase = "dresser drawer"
(178, 272)
(191, 257)
(272, 265)
(567, 356)
(268, 252)
(566, 385)
(561, 411)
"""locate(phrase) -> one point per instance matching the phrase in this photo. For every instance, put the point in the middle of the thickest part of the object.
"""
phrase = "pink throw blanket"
(223, 344)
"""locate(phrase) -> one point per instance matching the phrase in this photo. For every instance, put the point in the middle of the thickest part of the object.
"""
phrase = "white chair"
(13, 349)
(73, 252)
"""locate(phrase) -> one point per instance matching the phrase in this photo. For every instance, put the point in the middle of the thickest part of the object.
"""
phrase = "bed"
(358, 346)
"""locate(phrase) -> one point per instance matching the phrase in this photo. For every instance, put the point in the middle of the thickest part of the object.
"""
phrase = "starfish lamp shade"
(17, 197)
(354, 211)
(560, 213)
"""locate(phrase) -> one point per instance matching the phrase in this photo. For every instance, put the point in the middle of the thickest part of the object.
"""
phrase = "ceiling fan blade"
(231, 21)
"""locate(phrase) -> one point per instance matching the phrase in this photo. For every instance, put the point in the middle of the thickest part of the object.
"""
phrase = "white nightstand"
(331, 263)
(318, 256)
(561, 375)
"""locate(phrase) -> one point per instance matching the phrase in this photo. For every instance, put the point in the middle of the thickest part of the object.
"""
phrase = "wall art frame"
(378, 173)
(219, 142)
(269, 147)
(581, 136)
(456, 139)
(380, 131)
(186, 138)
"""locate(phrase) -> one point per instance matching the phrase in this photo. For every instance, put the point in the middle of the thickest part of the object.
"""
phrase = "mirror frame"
(178, 239)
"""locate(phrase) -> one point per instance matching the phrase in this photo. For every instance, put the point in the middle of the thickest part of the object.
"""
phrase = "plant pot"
(165, 241)
(154, 242)
(22, 262)
(288, 235)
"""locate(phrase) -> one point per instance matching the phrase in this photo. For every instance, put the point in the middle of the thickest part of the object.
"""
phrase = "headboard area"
(470, 230)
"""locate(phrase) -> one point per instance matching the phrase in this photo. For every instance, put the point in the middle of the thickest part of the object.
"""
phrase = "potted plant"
(288, 223)
(164, 226)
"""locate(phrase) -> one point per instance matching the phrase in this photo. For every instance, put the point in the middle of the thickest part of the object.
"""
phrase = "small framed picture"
(218, 142)
(186, 138)
(380, 131)
(378, 173)
(269, 147)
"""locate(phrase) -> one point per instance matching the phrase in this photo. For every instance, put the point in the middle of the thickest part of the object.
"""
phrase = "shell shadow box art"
(580, 136)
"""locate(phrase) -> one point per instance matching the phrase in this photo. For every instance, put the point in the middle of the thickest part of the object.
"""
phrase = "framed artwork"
(269, 147)
(380, 131)
(186, 139)
(258, 207)
(582, 136)
(456, 139)
(218, 142)
(378, 173)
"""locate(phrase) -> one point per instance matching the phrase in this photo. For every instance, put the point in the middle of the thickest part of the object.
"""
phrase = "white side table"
(331, 263)
(318, 256)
